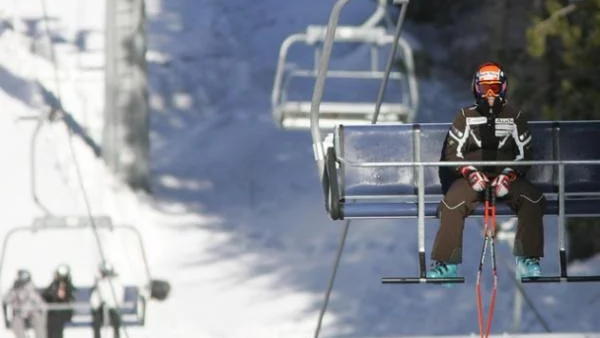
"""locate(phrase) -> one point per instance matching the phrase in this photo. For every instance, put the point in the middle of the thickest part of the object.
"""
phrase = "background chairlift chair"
(295, 113)
(137, 296)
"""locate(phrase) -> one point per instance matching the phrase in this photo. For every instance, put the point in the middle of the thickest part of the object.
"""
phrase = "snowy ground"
(236, 223)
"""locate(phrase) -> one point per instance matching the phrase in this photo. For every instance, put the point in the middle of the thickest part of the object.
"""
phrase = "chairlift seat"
(132, 313)
(391, 191)
(345, 108)
(296, 114)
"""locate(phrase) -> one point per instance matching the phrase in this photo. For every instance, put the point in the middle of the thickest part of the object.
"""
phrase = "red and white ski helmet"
(489, 80)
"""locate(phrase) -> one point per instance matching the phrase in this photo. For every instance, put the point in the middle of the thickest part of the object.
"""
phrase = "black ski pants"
(98, 320)
(524, 198)
(56, 323)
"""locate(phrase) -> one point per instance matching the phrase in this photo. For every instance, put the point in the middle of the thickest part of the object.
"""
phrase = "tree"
(570, 40)
(570, 37)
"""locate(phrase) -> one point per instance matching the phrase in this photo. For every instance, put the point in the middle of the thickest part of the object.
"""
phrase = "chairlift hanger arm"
(377, 15)
(319, 87)
(283, 52)
(41, 121)
(318, 144)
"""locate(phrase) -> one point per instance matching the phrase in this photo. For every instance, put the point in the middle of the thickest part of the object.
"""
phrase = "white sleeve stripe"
(520, 145)
(454, 136)
(461, 141)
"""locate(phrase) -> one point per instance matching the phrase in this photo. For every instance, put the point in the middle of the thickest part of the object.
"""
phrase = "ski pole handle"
(490, 195)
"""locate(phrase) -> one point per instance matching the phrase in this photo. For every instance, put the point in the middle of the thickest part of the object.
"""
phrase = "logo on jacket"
(471, 121)
(504, 126)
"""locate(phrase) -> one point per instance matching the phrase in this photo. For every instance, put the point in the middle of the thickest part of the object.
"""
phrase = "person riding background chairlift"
(27, 306)
(60, 292)
(107, 299)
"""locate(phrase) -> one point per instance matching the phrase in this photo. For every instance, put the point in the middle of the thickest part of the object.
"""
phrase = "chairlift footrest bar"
(560, 279)
(28, 117)
(417, 280)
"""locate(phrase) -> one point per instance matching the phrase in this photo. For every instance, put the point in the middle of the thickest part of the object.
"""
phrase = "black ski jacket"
(50, 295)
(477, 136)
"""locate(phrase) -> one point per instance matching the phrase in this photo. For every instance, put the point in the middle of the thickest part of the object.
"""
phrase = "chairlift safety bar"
(77, 305)
(460, 163)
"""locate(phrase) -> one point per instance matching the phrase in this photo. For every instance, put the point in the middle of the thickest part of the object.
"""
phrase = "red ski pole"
(492, 240)
(489, 229)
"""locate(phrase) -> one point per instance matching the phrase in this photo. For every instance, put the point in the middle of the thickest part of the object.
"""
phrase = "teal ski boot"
(528, 267)
(443, 270)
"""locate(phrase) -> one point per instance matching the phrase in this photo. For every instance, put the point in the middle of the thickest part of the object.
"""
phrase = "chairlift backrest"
(552, 141)
(580, 140)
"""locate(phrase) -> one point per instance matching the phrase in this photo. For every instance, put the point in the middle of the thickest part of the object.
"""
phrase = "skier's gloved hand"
(501, 183)
(476, 178)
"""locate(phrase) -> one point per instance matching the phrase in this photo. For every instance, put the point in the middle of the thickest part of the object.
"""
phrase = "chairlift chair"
(295, 114)
(133, 312)
(391, 171)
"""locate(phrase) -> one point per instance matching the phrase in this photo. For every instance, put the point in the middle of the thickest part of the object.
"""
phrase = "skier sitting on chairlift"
(60, 291)
(107, 299)
(489, 130)
(28, 307)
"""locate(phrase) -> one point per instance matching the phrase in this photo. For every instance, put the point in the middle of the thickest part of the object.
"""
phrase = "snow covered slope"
(236, 223)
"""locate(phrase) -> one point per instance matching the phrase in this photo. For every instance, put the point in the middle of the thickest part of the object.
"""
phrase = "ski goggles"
(489, 89)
